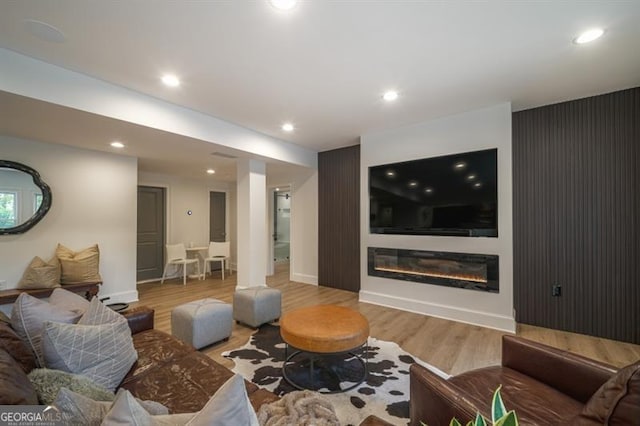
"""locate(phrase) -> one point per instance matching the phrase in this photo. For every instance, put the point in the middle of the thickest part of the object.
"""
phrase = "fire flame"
(465, 277)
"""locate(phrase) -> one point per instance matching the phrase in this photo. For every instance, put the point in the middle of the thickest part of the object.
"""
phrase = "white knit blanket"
(299, 408)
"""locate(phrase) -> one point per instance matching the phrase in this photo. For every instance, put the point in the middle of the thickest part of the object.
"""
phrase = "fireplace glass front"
(461, 270)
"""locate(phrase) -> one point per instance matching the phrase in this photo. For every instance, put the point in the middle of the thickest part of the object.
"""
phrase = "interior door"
(151, 227)
(217, 219)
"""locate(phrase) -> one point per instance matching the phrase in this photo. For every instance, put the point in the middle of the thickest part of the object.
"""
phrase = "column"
(252, 226)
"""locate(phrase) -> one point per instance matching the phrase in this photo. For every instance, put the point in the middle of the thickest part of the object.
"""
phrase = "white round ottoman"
(202, 322)
(255, 306)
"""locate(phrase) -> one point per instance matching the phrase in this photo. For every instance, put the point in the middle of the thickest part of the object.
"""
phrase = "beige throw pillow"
(28, 316)
(79, 267)
(41, 274)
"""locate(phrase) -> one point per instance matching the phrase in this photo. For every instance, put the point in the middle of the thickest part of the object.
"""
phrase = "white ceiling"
(325, 64)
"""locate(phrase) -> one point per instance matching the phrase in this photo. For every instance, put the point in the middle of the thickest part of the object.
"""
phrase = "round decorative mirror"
(24, 198)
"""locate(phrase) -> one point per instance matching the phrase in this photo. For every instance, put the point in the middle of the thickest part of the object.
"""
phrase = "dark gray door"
(151, 226)
(217, 219)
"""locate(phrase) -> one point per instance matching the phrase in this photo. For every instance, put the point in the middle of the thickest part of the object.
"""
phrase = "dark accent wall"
(576, 215)
(339, 218)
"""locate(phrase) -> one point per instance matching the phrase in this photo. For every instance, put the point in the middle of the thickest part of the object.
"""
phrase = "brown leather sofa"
(544, 385)
(167, 370)
(176, 374)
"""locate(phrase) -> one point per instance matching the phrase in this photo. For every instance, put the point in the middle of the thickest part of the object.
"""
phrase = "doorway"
(281, 225)
(151, 233)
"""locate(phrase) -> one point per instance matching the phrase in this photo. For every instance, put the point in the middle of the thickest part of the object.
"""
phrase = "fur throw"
(299, 408)
(48, 382)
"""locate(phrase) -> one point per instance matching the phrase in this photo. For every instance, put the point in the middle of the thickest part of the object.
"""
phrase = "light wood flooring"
(451, 346)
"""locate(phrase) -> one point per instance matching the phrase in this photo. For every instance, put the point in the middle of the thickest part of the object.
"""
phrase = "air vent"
(223, 155)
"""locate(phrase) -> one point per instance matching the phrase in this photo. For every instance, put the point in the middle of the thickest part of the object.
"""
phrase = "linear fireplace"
(462, 270)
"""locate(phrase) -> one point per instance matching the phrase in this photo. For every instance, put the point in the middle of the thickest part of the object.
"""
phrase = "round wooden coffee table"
(328, 337)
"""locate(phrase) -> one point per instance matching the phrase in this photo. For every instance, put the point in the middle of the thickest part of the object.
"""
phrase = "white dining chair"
(218, 252)
(177, 255)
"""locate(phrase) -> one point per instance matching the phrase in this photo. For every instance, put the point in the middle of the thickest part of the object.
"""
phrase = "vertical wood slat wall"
(576, 178)
(339, 218)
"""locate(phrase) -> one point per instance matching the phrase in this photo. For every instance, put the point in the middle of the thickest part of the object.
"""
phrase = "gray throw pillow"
(28, 316)
(68, 300)
(77, 409)
(104, 353)
(127, 411)
(97, 313)
(48, 383)
(230, 405)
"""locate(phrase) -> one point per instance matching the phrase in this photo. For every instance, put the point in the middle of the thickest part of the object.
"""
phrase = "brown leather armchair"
(544, 385)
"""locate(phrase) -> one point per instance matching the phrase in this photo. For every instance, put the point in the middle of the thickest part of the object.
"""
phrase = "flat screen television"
(455, 195)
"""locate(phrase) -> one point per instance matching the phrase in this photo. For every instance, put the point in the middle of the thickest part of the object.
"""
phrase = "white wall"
(304, 228)
(94, 201)
(187, 194)
(470, 131)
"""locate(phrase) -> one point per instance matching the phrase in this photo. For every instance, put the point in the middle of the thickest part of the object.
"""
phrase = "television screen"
(450, 195)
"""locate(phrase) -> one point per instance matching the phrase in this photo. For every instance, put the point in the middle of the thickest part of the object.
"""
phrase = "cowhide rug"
(385, 392)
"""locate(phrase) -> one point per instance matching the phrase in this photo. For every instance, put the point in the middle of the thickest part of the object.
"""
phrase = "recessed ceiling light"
(391, 95)
(428, 190)
(170, 80)
(287, 127)
(117, 144)
(589, 36)
(477, 185)
(211, 171)
(471, 177)
(413, 183)
(283, 4)
(277, 189)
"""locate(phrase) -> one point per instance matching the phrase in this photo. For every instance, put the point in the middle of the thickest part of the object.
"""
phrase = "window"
(8, 209)
(37, 201)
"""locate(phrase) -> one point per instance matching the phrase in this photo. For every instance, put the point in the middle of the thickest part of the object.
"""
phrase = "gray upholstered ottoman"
(202, 322)
(255, 306)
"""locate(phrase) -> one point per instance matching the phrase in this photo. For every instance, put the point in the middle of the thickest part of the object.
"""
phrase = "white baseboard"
(483, 319)
(121, 297)
(304, 278)
(152, 280)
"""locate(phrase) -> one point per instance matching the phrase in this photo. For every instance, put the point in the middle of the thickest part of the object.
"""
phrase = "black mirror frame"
(45, 205)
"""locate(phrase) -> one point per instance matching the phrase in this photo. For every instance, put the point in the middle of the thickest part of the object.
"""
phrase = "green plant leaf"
(509, 419)
(454, 422)
(497, 407)
(479, 420)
